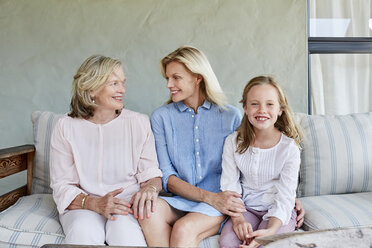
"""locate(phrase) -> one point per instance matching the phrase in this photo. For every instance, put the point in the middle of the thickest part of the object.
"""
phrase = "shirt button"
(198, 165)
(197, 153)
(189, 110)
(200, 177)
(197, 140)
(196, 127)
(192, 116)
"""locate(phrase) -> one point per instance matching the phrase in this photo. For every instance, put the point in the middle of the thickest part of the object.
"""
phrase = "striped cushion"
(337, 154)
(209, 242)
(333, 211)
(32, 221)
(43, 123)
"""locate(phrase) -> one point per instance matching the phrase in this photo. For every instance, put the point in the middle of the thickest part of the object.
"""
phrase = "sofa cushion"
(43, 124)
(32, 221)
(334, 211)
(336, 156)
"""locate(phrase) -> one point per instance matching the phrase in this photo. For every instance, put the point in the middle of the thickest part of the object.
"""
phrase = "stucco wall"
(44, 41)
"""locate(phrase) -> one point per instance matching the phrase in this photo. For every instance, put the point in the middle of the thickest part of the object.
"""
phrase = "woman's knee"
(125, 230)
(83, 227)
(158, 216)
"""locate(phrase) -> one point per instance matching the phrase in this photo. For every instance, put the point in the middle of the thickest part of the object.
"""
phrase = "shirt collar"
(182, 107)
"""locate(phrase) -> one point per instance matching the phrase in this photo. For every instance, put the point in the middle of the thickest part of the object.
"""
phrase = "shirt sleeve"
(148, 166)
(230, 177)
(165, 163)
(284, 199)
(64, 179)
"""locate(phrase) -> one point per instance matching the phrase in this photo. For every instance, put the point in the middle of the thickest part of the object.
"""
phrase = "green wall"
(44, 41)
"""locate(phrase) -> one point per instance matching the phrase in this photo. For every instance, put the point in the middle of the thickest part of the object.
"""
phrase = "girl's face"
(111, 96)
(183, 85)
(262, 107)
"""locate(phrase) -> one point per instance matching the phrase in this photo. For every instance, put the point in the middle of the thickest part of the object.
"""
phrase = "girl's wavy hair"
(197, 63)
(285, 123)
(89, 79)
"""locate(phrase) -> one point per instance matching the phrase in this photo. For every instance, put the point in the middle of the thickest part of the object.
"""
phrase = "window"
(340, 56)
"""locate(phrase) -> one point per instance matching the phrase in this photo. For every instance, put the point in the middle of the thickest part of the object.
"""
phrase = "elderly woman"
(104, 169)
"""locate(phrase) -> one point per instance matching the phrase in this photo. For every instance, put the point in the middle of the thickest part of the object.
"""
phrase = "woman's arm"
(144, 201)
(148, 175)
(107, 205)
(227, 202)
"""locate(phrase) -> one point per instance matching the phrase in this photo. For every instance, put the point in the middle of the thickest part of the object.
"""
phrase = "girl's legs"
(290, 227)
(83, 227)
(228, 237)
(157, 229)
(192, 228)
(125, 231)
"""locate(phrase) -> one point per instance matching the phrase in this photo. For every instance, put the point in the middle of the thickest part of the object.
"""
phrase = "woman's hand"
(227, 202)
(144, 201)
(108, 205)
(300, 213)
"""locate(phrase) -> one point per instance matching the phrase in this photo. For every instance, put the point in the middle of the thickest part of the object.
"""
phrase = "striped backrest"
(337, 154)
(43, 123)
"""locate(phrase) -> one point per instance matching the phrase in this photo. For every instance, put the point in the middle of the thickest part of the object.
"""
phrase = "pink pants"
(228, 237)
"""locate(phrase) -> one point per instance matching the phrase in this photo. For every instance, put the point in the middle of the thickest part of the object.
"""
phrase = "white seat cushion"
(334, 211)
(32, 221)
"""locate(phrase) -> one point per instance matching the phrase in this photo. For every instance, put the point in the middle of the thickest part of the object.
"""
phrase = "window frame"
(332, 45)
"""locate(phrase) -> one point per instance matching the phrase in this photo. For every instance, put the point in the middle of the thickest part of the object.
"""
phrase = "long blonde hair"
(90, 77)
(285, 123)
(197, 63)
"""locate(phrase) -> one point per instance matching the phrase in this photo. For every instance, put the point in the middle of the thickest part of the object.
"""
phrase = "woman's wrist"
(83, 201)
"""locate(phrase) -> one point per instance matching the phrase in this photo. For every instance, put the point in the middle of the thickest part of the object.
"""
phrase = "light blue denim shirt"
(190, 147)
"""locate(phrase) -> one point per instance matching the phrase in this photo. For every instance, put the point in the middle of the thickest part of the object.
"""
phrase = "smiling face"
(183, 85)
(110, 98)
(262, 107)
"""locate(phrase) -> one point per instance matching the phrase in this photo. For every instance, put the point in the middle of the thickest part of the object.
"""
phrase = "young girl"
(261, 161)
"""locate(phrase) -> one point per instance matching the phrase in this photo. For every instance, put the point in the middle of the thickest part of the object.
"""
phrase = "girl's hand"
(228, 202)
(108, 205)
(300, 213)
(258, 233)
(144, 201)
(242, 229)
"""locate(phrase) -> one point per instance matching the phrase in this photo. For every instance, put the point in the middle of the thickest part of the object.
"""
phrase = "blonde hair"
(90, 78)
(197, 63)
(285, 123)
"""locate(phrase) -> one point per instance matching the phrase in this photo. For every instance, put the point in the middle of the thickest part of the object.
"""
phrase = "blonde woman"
(189, 134)
(104, 169)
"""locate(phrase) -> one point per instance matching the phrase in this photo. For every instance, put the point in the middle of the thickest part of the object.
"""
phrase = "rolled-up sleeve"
(63, 174)
(148, 166)
(230, 177)
(165, 164)
(284, 199)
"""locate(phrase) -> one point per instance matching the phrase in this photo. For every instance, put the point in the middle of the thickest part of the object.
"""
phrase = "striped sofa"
(335, 180)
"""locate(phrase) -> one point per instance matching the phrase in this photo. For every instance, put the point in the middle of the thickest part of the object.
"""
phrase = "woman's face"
(183, 85)
(111, 96)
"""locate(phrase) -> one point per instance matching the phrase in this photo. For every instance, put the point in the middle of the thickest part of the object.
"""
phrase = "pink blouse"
(96, 159)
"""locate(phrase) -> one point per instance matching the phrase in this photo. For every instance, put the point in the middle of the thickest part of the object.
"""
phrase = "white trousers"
(86, 227)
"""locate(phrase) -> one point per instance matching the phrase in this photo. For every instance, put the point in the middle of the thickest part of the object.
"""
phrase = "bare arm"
(107, 205)
(226, 202)
(144, 201)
